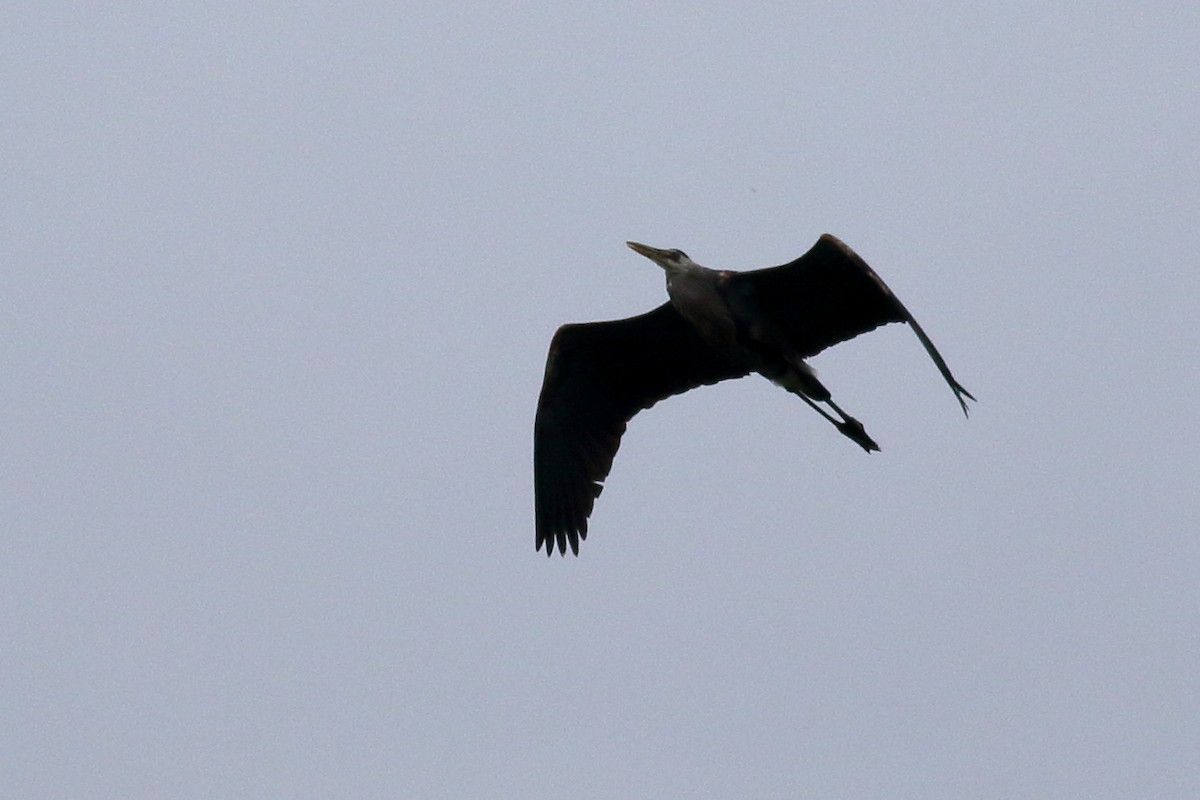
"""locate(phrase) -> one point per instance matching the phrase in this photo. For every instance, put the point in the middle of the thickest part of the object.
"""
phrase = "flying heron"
(717, 325)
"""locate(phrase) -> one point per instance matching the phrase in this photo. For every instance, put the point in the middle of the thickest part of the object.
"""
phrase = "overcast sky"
(276, 289)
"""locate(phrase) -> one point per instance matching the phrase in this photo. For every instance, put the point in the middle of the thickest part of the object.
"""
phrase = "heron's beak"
(653, 253)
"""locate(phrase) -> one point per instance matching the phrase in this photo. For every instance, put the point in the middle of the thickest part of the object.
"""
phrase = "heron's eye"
(678, 255)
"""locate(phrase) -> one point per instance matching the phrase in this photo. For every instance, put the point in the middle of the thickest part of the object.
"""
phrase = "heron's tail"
(799, 378)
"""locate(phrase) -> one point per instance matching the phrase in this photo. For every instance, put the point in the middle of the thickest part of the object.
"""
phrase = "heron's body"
(717, 325)
(702, 297)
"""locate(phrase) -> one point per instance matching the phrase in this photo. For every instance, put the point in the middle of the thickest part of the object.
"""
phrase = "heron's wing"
(598, 375)
(826, 296)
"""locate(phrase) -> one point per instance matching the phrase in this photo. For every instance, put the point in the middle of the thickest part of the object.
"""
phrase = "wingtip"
(960, 393)
(559, 541)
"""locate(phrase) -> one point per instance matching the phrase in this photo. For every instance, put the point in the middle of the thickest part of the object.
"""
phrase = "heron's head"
(671, 260)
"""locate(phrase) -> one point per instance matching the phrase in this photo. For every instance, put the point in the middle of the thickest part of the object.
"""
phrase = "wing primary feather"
(960, 391)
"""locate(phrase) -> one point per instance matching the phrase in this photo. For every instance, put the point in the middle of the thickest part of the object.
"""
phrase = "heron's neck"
(694, 293)
(679, 274)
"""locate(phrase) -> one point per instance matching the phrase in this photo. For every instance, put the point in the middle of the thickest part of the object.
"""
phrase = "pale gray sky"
(276, 294)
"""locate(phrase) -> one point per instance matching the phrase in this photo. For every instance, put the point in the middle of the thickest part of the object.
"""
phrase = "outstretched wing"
(598, 375)
(826, 296)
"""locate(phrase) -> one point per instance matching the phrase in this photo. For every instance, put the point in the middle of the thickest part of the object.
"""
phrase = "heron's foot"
(853, 429)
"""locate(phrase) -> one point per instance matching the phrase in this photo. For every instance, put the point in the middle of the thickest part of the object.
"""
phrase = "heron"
(715, 326)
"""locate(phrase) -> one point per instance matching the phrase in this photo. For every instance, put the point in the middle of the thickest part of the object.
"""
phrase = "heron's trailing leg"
(848, 425)
(853, 429)
(801, 380)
